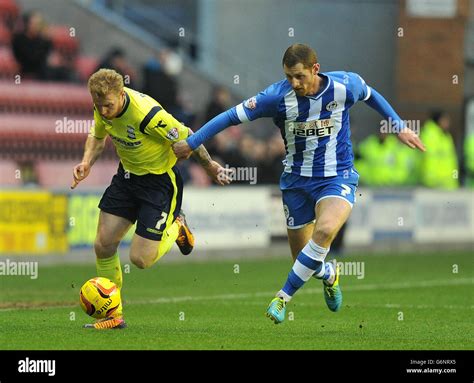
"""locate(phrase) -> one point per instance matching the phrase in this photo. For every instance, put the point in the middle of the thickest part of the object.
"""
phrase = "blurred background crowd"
(34, 52)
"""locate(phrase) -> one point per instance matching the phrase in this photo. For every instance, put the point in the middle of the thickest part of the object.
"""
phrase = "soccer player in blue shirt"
(319, 180)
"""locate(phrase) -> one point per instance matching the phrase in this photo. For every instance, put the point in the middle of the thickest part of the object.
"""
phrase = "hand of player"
(411, 139)
(80, 172)
(181, 150)
(220, 175)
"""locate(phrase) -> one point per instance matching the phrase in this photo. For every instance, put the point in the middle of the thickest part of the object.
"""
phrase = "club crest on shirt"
(131, 132)
(251, 103)
(331, 106)
(172, 134)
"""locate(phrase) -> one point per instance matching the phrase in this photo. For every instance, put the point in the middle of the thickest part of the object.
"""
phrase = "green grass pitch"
(404, 302)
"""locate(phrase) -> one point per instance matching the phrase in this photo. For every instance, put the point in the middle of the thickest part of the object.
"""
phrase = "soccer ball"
(99, 297)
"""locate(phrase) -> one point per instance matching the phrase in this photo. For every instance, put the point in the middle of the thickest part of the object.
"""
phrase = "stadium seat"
(8, 172)
(8, 65)
(5, 35)
(31, 137)
(58, 174)
(32, 124)
(85, 66)
(62, 40)
(8, 11)
(43, 97)
(37, 137)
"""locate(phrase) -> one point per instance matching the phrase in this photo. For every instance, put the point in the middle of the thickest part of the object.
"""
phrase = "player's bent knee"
(143, 261)
(105, 249)
(140, 263)
(325, 233)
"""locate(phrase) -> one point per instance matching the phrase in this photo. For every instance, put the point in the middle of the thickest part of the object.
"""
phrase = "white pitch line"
(383, 306)
(188, 298)
(368, 287)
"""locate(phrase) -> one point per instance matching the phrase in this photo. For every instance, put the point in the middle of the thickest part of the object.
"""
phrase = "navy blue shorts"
(153, 200)
(301, 194)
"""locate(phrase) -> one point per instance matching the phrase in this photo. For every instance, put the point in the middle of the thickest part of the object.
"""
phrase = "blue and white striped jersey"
(316, 128)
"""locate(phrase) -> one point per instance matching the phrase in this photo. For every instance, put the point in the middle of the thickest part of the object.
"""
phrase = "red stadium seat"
(5, 35)
(85, 66)
(58, 174)
(44, 98)
(8, 65)
(40, 124)
(30, 137)
(62, 39)
(9, 173)
(8, 11)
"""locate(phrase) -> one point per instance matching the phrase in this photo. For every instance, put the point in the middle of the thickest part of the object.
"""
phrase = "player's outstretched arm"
(94, 147)
(264, 104)
(183, 149)
(218, 174)
(405, 135)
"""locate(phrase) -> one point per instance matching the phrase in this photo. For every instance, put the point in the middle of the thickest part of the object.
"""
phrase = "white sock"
(285, 296)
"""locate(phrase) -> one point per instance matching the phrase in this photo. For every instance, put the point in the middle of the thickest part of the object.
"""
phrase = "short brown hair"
(299, 53)
(105, 81)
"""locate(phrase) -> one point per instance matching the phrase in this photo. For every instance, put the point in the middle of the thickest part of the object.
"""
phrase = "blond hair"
(104, 82)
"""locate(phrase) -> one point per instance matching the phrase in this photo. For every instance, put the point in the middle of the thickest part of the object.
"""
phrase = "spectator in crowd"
(408, 160)
(249, 152)
(220, 101)
(226, 148)
(159, 83)
(376, 160)
(268, 158)
(184, 109)
(275, 154)
(171, 62)
(116, 59)
(439, 165)
(469, 159)
(33, 50)
(31, 46)
(383, 161)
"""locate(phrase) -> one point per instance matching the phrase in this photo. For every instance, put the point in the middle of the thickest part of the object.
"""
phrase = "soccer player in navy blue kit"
(319, 180)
